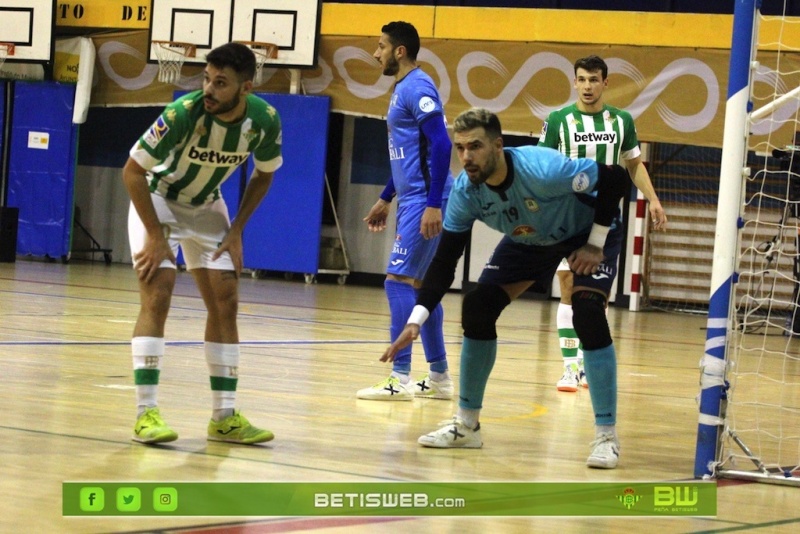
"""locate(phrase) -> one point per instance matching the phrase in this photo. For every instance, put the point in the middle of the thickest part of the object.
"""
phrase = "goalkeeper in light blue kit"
(549, 207)
(419, 150)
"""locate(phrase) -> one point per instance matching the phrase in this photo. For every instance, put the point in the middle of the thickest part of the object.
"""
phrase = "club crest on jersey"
(156, 133)
(532, 205)
(250, 134)
(201, 131)
(426, 104)
(580, 182)
(523, 230)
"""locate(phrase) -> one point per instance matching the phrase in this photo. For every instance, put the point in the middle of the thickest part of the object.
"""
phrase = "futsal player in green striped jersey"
(590, 128)
(173, 177)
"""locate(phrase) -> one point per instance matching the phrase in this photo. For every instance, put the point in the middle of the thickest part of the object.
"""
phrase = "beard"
(224, 107)
(392, 67)
(482, 174)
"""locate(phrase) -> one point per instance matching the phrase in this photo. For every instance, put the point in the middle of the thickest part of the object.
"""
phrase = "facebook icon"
(92, 499)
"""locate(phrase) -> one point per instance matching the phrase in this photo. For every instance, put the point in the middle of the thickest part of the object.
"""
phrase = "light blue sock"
(433, 340)
(402, 298)
(601, 373)
(477, 360)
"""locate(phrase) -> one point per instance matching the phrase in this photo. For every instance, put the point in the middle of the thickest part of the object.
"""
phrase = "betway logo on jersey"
(594, 138)
(216, 158)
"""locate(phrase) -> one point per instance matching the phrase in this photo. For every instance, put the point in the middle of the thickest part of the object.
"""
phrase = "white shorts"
(563, 266)
(198, 230)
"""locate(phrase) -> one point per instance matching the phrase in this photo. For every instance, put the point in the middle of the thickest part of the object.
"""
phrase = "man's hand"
(406, 337)
(148, 260)
(431, 223)
(658, 216)
(585, 260)
(376, 218)
(232, 244)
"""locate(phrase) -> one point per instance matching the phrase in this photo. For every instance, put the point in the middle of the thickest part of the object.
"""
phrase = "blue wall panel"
(41, 180)
(284, 232)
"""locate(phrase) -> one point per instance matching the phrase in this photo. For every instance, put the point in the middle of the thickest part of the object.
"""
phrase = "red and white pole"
(639, 228)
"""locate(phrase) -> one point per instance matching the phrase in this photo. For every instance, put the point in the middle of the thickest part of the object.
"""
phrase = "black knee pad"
(480, 309)
(589, 319)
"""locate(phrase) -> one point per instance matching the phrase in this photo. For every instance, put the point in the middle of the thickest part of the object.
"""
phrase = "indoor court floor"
(305, 350)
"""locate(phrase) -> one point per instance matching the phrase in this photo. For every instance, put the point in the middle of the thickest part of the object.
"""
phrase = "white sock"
(438, 377)
(470, 417)
(401, 377)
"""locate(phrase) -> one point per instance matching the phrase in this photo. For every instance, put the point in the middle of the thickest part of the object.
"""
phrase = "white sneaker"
(453, 434)
(390, 389)
(605, 452)
(582, 375)
(570, 380)
(434, 389)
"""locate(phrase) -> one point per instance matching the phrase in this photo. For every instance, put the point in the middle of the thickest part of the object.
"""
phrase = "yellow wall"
(681, 30)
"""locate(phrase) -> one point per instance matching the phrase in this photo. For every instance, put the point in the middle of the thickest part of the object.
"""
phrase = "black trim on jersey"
(508, 182)
(442, 270)
(613, 181)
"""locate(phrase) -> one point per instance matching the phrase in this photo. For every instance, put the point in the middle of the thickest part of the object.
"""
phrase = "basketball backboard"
(293, 25)
(29, 25)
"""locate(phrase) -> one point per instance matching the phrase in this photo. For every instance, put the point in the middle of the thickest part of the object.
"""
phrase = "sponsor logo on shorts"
(580, 182)
(426, 104)
(156, 133)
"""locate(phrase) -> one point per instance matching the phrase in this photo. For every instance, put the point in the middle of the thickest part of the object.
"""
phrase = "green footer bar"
(384, 499)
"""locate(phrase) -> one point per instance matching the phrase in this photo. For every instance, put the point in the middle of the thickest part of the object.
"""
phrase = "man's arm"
(254, 193)
(612, 183)
(156, 248)
(379, 213)
(641, 179)
(440, 147)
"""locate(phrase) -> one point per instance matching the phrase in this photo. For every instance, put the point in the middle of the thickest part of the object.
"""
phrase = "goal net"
(749, 423)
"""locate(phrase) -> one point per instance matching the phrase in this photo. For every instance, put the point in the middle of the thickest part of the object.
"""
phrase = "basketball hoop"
(171, 55)
(6, 49)
(263, 52)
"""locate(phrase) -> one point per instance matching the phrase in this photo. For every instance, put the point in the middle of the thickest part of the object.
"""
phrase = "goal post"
(712, 364)
(749, 403)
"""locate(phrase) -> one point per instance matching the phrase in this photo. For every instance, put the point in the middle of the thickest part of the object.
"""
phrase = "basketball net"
(171, 55)
(263, 52)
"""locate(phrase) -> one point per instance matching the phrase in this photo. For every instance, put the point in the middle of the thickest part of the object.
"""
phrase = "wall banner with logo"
(676, 95)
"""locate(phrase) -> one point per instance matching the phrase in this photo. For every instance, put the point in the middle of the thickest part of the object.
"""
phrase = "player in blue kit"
(419, 150)
(549, 207)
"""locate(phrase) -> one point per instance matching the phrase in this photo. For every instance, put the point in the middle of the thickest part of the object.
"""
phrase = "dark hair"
(592, 64)
(403, 34)
(478, 118)
(236, 56)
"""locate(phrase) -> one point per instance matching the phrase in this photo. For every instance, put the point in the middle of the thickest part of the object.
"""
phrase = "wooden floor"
(68, 406)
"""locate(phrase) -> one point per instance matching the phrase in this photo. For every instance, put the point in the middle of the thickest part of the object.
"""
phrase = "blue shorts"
(515, 262)
(411, 253)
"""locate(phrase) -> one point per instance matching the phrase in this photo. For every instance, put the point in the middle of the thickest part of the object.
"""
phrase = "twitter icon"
(129, 499)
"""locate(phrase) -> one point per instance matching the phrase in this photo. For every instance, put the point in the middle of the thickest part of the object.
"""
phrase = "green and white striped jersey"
(608, 136)
(189, 153)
